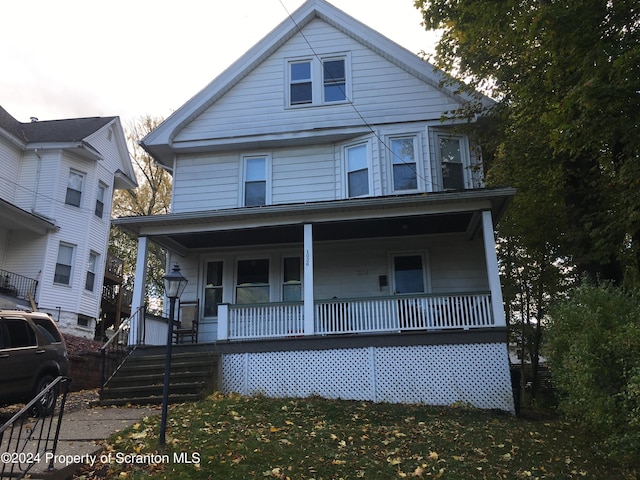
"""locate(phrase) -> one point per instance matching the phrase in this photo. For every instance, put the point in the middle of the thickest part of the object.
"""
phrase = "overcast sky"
(79, 58)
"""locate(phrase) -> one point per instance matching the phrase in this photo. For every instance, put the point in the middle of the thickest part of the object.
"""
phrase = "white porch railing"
(360, 315)
(270, 320)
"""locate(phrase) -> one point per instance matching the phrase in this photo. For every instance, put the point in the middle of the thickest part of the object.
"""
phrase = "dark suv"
(32, 355)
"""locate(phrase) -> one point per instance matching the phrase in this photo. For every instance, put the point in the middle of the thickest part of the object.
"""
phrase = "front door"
(408, 274)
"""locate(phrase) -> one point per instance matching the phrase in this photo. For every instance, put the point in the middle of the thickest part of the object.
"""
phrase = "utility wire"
(358, 113)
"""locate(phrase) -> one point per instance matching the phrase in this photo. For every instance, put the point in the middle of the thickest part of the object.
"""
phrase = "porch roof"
(338, 219)
(15, 218)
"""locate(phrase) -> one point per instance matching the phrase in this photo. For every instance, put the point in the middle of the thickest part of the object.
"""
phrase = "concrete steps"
(193, 375)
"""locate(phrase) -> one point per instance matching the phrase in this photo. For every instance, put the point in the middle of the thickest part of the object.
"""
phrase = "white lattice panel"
(437, 375)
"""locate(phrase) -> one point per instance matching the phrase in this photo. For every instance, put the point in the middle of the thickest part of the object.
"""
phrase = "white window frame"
(346, 170)
(467, 177)
(236, 276)
(243, 180)
(92, 269)
(101, 194)
(426, 270)
(297, 255)
(418, 159)
(318, 80)
(73, 255)
(82, 176)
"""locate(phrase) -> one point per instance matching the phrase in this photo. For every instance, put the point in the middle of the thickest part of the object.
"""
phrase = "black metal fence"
(29, 439)
(17, 285)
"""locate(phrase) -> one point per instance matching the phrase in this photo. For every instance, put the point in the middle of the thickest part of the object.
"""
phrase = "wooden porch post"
(492, 269)
(309, 308)
(137, 302)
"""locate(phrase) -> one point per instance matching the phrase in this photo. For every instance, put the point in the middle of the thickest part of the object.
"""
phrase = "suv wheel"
(47, 403)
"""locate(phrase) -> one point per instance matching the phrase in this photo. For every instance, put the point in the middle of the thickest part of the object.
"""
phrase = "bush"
(593, 349)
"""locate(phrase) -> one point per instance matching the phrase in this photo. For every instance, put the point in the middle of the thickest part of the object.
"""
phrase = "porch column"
(137, 302)
(492, 269)
(309, 308)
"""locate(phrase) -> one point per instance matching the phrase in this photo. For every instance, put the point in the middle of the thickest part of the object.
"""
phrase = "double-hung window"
(320, 80)
(102, 188)
(255, 181)
(91, 272)
(64, 264)
(334, 80)
(357, 165)
(404, 163)
(453, 161)
(292, 279)
(253, 281)
(300, 90)
(74, 189)
(213, 288)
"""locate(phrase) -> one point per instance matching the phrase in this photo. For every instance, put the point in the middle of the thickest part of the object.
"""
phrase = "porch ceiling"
(403, 215)
(326, 231)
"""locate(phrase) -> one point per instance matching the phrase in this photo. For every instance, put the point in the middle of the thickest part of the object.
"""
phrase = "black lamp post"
(174, 284)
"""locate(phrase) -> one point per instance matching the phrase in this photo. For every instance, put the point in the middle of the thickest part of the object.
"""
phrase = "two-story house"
(333, 228)
(56, 190)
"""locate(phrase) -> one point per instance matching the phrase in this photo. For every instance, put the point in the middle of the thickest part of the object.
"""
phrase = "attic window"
(318, 81)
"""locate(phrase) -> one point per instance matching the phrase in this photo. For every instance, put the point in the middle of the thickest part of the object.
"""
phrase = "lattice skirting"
(476, 374)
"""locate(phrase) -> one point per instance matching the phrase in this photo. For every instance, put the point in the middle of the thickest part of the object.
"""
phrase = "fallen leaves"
(242, 437)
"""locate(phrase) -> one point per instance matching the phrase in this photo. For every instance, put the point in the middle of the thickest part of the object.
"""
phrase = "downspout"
(35, 196)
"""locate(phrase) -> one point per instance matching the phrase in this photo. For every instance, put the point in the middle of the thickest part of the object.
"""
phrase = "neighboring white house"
(334, 229)
(56, 188)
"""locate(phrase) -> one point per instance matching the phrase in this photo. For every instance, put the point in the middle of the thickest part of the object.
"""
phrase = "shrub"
(593, 349)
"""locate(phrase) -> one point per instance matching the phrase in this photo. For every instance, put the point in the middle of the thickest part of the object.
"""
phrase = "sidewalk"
(82, 433)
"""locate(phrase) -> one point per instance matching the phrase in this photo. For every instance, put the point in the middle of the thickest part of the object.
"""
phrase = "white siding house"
(56, 188)
(335, 231)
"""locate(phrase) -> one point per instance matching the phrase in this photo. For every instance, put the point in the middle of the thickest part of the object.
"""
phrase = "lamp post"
(174, 284)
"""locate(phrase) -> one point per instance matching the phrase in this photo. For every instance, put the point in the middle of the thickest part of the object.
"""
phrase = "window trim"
(426, 270)
(83, 177)
(318, 80)
(73, 254)
(96, 267)
(346, 171)
(282, 273)
(102, 187)
(249, 258)
(418, 154)
(465, 160)
(243, 181)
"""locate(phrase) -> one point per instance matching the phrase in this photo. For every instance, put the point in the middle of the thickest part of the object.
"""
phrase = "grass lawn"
(236, 437)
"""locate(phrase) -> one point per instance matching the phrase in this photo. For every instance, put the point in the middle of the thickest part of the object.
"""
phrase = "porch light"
(174, 284)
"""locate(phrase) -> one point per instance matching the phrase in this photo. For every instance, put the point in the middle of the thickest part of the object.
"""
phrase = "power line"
(358, 113)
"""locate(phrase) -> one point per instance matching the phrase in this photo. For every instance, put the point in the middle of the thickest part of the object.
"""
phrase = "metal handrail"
(110, 344)
(29, 440)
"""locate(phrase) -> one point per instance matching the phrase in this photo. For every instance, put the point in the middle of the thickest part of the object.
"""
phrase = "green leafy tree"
(152, 197)
(593, 347)
(566, 76)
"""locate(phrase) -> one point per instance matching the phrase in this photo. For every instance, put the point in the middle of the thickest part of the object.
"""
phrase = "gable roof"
(70, 133)
(52, 131)
(158, 142)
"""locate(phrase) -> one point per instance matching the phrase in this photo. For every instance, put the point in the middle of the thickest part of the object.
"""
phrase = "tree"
(152, 197)
(566, 76)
